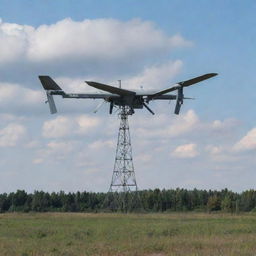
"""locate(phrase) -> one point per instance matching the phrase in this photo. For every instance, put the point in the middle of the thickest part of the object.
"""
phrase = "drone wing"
(184, 84)
(111, 89)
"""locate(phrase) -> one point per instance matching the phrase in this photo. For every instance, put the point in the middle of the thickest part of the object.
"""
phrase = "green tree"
(4, 203)
(226, 204)
(213, 203)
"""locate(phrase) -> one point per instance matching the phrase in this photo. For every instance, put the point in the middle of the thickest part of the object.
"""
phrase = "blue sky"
(223, 32)
(214, 138)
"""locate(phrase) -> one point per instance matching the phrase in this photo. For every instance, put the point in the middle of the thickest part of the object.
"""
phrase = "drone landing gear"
(147, 107)
(111, 107)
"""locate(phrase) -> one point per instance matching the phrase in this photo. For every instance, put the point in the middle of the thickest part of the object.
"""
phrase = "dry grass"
(77, 234)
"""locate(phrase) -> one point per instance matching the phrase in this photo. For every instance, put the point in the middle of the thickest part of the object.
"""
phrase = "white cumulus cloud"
(186, 151)
(186, 123)
(99, 144)
(88, 39)
(14, 97)
(12, 134)
(157, 76)
(225, 125)
(14, 41)
(214, 150)
(86, 123)
(248, 142)
(59, 127)
(63, 126)
(55, 151)
(166, 127)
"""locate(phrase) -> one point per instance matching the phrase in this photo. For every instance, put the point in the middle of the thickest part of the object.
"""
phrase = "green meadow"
(67, 234)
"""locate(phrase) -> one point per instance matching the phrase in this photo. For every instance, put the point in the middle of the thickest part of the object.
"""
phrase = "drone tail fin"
(51, 88)
(51, 103)
(49, 84)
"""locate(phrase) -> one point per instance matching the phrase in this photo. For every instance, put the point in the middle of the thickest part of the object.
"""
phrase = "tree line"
(156, 200)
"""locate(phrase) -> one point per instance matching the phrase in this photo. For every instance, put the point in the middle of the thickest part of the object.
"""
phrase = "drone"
(117, 96)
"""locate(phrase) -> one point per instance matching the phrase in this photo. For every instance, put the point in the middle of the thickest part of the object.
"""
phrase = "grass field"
(69, 234)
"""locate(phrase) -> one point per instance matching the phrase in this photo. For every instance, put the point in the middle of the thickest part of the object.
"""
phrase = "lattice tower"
(123, 178)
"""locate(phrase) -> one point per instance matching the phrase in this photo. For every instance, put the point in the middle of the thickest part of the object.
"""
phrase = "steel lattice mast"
(123, 178)
(123, 192)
